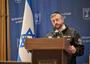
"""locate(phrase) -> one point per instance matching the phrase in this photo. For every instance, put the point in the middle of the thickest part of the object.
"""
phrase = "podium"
(47, 50)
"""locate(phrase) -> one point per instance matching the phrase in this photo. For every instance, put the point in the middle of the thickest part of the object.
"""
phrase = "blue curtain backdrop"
(16, 9)
(76, 13)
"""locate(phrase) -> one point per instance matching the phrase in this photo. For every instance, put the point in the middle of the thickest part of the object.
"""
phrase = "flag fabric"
(26, 32)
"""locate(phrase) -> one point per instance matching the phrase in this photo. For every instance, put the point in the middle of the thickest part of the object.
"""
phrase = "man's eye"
(56, 19)
(53, 20)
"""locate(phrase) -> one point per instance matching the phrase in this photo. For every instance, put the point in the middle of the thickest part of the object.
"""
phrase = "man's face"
(57, 21)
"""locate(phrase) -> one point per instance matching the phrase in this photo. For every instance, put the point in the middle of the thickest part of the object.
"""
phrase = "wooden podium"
(47, 50)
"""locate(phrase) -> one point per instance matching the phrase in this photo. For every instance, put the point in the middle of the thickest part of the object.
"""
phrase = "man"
(76, 48)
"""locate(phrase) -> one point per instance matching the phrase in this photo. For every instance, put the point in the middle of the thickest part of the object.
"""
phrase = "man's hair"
(54, 13)
(57, 12)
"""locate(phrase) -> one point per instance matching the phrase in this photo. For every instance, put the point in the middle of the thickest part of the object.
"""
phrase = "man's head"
(57, 20)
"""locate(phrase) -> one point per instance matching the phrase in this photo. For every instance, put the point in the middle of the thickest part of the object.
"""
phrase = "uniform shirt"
(75, 40)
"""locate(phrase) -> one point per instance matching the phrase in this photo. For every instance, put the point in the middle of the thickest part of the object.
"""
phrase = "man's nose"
(55, 21)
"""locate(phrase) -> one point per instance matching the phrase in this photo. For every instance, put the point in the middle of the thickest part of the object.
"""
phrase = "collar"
(61, 29)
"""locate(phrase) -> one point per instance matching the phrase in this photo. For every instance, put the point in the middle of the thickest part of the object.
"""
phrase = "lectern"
(47, 50)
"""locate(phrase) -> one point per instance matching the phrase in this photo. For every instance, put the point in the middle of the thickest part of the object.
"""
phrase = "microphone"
(57, 34)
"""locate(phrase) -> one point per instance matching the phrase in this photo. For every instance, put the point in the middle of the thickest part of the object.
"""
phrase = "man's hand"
(71, 49)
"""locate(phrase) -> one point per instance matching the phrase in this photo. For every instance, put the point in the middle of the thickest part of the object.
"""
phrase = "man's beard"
(58, 26)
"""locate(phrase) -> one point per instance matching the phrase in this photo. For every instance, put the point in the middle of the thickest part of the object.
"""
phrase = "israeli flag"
(26, 32)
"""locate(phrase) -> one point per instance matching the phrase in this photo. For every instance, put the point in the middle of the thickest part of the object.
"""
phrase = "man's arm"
(78, 44)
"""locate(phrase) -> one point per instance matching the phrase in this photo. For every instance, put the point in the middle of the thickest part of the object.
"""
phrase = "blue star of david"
(24, 36)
